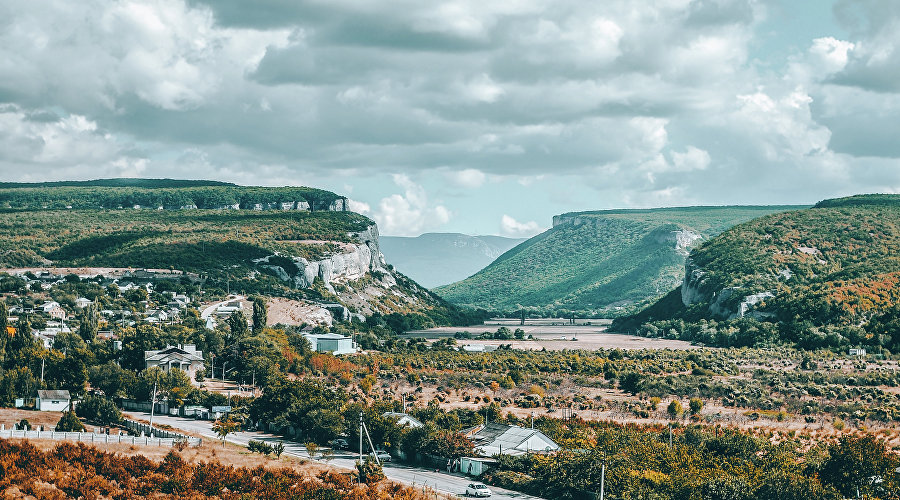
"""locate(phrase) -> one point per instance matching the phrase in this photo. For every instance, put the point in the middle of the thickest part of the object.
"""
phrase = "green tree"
(860, 466)
(4, 316)
(225, 426)
(69, 423)
(89, 323)
(259, 314)
(695, 405)
(237, 325)
(370, 472)
(675, 409)
(99, 410)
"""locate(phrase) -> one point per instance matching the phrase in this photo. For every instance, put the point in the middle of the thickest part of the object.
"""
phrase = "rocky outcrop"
(721, 302)
(361, 257)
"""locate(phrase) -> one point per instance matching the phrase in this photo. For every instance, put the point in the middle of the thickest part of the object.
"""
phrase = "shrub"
(98, 410)
(69, 423)
(696, 404)
(675, 409)
(260, 447)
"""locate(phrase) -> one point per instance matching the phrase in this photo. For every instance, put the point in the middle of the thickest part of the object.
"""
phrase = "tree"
(99, 410)
(112, 379)
(312, 448)
(69, 423)
(259, 314)
(225, 426)
(4, 317)
(675, 409)
(89, 323)
(860, 465)
(696, 404)
(237, 324)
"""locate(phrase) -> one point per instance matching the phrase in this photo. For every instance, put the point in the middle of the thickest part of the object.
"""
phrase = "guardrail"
(92, 437)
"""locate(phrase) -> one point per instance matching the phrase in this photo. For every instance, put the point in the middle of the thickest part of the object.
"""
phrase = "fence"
(91, 437)
(144, 429)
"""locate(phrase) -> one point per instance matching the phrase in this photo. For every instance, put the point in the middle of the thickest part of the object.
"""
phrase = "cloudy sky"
(483, 117)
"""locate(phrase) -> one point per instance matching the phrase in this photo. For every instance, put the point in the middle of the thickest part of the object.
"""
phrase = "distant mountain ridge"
(599, 262)
(434, 259)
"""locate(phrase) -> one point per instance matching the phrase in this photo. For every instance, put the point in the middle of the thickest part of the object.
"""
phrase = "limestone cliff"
(352, 264)
(726, 303)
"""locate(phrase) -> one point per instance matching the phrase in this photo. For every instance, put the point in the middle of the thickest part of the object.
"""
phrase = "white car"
(382, 455)
(477, 490)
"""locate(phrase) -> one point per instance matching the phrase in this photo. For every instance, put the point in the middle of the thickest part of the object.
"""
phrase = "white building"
(404, 419)
(53, 400)
(82, 302)
(184, 357)
(330, 342)
(499, 439)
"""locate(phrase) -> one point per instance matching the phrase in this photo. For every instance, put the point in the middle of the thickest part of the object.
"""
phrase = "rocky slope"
(435, 259)
(605, 262)
(830, 270)
(318, 256)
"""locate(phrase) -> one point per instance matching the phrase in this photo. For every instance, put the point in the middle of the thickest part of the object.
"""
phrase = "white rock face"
(364, 256)
(691, 293)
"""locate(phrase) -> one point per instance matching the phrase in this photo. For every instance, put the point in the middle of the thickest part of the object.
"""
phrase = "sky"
(461, 116)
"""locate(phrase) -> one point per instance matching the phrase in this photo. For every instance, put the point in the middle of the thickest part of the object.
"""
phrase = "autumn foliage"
(78, 471)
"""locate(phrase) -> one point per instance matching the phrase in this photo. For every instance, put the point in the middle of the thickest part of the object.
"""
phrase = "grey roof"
(493, 437)
(59, 394)
(173, 353)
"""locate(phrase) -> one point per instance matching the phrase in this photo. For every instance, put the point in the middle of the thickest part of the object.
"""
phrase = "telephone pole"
(152, 407)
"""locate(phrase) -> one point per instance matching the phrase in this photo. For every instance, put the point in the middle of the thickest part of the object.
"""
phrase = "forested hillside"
(823, 276)
(598, 262)
(158, 193)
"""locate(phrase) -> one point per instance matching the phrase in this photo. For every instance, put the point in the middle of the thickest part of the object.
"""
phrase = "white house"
(53, 400)
(82, 302)
(54, 310)
(184, 357)
(404, 419)
(499, 439)
(330, 342)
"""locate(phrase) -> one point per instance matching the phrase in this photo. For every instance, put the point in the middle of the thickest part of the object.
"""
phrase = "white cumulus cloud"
(515, 229)
(410, 213)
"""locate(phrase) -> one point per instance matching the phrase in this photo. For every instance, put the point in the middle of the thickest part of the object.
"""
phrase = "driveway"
(452, 484)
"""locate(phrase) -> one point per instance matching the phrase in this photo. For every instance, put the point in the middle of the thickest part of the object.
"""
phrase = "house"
(857, 352)
(226, 308)
(157, 316)
(330, 342)
(499, 439)
(53, 400)
(404, 419)
(82, 302)
(54, 310)
(184, 357)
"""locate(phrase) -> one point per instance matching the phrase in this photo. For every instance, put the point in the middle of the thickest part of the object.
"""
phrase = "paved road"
(415, 476)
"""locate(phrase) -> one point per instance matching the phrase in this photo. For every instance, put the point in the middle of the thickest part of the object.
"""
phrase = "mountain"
(295, 242)
(825, 276)
(434, 259)
(602, 262)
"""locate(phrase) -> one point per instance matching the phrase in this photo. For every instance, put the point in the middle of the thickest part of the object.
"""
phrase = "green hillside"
(154, 194)
(600, 262)
(218, 246)
(824, 276)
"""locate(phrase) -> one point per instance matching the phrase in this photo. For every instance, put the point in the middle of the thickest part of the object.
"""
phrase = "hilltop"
(292, 242)
(825, 276)
(600, 262)
(435, 259)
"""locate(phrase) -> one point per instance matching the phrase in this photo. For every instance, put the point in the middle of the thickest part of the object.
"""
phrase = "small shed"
(475, 466)
(53, 400)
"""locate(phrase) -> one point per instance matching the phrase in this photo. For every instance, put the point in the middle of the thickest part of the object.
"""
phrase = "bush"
(260, 447)
(675, 409)
(98, 410)
(69, 423)
(369, 471)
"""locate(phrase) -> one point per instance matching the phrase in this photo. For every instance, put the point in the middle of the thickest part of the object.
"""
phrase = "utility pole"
(152, 407)
(602, 480)
(360, 442)
(670, 434)
(42, 372)
(532, 420)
